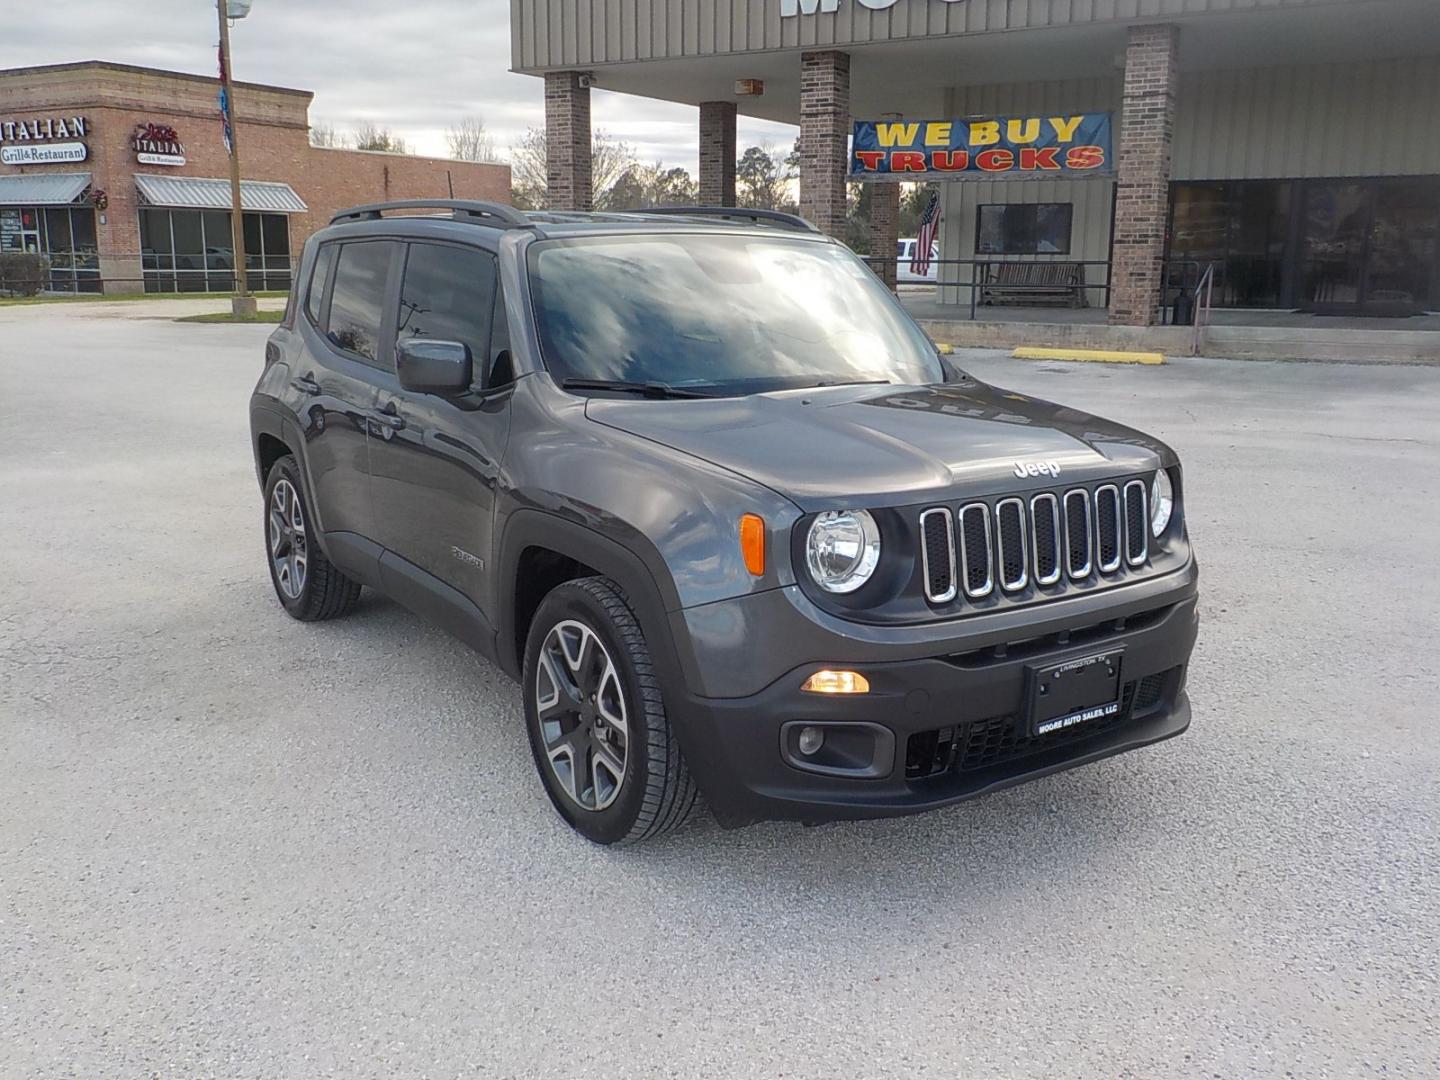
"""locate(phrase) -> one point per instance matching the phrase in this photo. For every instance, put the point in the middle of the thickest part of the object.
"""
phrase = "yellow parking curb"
(1097, 355)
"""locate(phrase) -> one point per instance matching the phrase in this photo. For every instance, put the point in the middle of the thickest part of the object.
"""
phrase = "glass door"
(1337, 223)
(1369, 247)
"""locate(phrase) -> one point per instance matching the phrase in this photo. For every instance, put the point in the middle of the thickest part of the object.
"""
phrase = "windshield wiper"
(646, 389)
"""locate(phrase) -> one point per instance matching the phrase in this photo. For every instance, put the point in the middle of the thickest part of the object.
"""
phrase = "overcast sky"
(415, 66)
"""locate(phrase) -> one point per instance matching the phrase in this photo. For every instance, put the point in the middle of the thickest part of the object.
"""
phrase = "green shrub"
(23, 273)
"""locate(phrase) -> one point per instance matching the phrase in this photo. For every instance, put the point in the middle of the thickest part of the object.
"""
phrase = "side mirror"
(427, 366)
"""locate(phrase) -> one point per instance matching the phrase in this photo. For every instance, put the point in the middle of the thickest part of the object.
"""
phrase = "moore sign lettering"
(826, 7)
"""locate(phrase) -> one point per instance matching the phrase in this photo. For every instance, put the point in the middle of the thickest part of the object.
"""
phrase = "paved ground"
(235, 846)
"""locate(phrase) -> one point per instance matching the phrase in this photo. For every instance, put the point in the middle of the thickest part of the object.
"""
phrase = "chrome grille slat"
(1012, 554)
(1013, 543)
(937, 555)
(976, 555)
(1109, 543)
(1137, 523)
(1045, 538)
(1078, 561)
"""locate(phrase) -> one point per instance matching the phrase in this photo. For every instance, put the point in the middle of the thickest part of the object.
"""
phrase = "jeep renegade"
(698, 481)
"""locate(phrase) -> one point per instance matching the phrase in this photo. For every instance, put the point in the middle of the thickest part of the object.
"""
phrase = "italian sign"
(43, 153)
(157, 144)
(983, 148)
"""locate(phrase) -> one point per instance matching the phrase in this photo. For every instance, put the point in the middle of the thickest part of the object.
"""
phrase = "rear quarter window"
(315, 287)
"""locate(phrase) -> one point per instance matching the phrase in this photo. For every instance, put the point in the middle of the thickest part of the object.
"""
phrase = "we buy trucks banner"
(985, 148)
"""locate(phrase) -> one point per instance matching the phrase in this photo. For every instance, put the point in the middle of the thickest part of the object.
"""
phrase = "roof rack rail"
(497, 215)
(738, 213)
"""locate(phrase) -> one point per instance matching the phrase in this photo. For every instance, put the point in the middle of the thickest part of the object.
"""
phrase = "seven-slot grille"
(1011, 543)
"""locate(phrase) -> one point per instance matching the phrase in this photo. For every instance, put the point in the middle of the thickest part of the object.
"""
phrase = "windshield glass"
(741, 314)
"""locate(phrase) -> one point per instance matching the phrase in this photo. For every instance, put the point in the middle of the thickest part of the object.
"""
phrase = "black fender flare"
(650, 599)
(265, 420)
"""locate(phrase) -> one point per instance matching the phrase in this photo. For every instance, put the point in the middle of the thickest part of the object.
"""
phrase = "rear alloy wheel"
(306, 583)
(596, 718)
(289, 543)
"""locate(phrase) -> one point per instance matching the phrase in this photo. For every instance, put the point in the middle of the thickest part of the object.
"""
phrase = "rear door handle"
(388, 417)
(306, 385)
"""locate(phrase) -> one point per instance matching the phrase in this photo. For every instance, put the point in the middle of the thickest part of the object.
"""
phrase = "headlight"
(842, 550)
(1162, 502)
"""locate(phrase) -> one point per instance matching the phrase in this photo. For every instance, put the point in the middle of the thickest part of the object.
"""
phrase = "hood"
(838, 446)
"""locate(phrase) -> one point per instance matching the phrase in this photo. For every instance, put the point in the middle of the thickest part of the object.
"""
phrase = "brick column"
(1142, 202)
(567, 142)
(824, 135)
(717, 153)
(885, 230)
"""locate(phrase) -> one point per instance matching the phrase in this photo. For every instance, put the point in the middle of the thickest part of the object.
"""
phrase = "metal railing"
(983, 276)
(1204, 304)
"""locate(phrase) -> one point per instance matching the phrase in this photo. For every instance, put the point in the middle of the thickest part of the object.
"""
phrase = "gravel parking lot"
(232, 845)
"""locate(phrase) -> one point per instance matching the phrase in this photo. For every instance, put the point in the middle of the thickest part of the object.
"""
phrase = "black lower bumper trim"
(734, 749)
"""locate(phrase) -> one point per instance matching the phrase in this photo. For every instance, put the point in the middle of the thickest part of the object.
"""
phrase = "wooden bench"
(1033, 283)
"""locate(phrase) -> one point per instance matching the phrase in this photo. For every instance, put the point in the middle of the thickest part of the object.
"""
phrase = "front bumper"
(957, 721)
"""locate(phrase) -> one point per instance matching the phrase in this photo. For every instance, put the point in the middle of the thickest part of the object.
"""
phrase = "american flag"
(929, 226)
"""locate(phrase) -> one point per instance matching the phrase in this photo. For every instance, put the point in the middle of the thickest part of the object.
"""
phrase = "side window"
(319, 278)
(448, 295)
(357, 303)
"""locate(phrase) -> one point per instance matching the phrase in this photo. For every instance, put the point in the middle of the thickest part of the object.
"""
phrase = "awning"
(204, 193)
(42, 189)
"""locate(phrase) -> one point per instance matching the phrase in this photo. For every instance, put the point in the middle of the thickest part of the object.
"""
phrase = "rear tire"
(307, 584)
(596, 718)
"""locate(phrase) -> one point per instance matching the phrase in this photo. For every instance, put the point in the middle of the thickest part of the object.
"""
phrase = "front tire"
(306, 583)
(596, 718)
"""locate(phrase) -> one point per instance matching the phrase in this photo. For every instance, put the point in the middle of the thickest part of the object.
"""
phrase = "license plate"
(1076, 692)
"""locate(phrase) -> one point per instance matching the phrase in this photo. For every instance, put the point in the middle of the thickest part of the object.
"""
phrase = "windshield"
(739, 314)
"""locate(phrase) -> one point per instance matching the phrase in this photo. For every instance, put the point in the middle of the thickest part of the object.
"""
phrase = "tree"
(652, 185)
(610, 159)
(369, 136)
(469, 141)
(327, 135)
(762, 178)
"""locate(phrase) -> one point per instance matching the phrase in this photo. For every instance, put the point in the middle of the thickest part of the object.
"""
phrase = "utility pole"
(242, 304)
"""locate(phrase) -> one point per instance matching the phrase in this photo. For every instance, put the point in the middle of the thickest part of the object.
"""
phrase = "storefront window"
(1239, 226)
(65, 235)
(1024, 229)
(193, 250)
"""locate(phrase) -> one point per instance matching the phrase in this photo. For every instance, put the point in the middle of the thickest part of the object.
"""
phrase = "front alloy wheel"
(595, 714)
(581, 707)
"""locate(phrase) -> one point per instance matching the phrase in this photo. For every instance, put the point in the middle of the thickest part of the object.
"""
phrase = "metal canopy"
(205, 193)
(42, 189)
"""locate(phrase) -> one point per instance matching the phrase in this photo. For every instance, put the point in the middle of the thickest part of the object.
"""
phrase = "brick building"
(1290, 144)
(120, 176)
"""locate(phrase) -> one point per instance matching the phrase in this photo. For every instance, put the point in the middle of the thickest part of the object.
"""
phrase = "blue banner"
(983, 148)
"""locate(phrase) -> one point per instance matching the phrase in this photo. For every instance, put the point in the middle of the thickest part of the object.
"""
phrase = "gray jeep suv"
(702, 486)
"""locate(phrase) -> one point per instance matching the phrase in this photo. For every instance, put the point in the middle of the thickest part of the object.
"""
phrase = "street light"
(242, 304)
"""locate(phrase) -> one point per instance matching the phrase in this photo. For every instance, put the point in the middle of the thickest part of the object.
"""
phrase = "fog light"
(836, 682)
(810, 741)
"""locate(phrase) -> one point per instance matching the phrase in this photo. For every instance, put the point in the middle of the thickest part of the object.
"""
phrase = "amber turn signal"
(752, 543)
(836, 682)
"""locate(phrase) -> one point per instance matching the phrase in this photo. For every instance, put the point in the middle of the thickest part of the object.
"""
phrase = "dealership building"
(1291, 144)
(119, 176)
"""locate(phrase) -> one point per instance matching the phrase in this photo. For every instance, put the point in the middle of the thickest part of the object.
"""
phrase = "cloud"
(415, 67)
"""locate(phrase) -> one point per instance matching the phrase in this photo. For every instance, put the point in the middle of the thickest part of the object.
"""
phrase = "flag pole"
(242, 304)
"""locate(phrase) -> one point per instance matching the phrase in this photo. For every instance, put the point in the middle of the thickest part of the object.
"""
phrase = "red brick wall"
(273, 137)
(717, 153)
(568, 167)
(824, 134)
(1142, 200)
